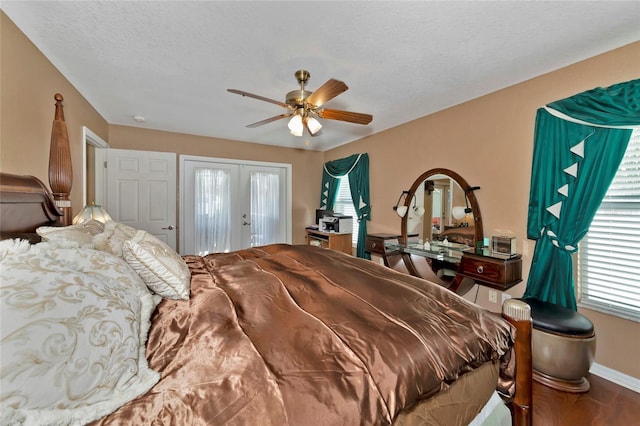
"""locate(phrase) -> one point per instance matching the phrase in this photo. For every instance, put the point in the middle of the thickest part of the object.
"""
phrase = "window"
(344, 205)
(609, 256)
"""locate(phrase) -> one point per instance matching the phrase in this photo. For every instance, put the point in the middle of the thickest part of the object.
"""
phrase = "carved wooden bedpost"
(60, 170)
(518, 313)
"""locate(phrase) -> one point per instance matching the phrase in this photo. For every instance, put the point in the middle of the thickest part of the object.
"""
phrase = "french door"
(230, 205)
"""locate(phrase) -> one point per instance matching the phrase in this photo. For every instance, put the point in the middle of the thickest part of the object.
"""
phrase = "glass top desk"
(438, 250)
(437, 261)
(455, 266)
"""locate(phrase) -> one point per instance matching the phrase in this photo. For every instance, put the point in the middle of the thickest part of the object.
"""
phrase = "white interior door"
(228, 205)
(141, 191)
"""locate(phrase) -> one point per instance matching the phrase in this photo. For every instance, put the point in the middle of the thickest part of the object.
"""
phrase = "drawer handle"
(373, 245)
(480, 269)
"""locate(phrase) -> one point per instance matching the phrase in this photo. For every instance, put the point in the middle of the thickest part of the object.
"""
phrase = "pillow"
(112, 238)
(81, 233)
(159, 266)
(74, 327)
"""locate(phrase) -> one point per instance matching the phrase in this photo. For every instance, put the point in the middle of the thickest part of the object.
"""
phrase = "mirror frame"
(473, 202)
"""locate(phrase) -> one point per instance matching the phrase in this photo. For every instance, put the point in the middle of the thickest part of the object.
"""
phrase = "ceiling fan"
(305, 106)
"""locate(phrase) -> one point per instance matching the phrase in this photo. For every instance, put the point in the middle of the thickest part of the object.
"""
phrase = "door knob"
(170, 228)
(246, 223)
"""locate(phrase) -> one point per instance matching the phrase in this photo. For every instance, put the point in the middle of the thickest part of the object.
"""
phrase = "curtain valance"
(617, 105)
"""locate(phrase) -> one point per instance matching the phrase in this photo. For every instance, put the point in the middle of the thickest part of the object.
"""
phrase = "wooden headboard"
(25, 201)
(25, 204)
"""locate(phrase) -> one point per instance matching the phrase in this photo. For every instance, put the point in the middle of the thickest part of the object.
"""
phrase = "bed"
(103, 324)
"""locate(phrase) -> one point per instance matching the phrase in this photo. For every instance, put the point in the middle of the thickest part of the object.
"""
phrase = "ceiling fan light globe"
(295, 125)
(313, 125)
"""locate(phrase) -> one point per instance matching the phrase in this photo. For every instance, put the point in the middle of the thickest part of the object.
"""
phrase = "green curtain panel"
(573, 166)
(356, 168)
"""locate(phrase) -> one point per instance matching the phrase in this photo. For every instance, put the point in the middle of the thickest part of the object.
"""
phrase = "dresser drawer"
(491, 271)
(375, 243)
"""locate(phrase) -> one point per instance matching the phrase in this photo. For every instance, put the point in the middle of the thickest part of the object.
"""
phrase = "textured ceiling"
(171, 62)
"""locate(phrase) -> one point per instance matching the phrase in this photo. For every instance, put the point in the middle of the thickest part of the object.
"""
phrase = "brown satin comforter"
(298, 335)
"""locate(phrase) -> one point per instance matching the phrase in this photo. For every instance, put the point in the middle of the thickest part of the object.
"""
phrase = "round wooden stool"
(563, 344)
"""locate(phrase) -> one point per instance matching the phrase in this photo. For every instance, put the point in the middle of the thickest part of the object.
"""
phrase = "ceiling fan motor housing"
(296, 98)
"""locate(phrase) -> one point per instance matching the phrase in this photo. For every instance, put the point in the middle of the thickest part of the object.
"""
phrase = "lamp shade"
(418, 210)
(313, 125)
(92, 212)
(458, 212)
(295, 125)
(401, 210)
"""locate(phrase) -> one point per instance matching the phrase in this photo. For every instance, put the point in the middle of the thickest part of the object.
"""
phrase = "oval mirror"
(441, 205)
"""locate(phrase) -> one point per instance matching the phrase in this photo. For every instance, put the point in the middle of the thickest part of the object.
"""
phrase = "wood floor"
(606, 404)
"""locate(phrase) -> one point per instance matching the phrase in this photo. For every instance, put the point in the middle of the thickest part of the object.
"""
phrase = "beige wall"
(29, 82)
(489, 142)
(306, 165)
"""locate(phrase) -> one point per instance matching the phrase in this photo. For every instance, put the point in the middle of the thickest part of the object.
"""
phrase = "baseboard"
(616, 377)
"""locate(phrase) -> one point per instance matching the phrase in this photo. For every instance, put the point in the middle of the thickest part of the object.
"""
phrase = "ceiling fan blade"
(351, 117)
(269, 120)
(326, 92)
(258, 97)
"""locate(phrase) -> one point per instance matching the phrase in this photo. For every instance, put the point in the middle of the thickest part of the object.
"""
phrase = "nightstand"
(491, 271)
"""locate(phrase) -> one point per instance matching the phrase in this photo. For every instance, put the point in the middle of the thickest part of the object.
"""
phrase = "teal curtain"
(576, 154)
(356, 167)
